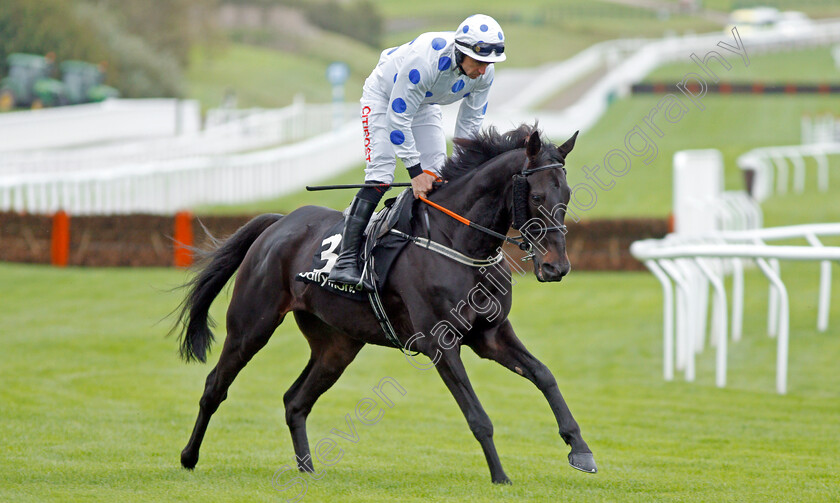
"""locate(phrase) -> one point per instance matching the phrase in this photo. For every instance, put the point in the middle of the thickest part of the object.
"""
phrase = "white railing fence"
(771, 167)
(823, 128)
(687, 265)
(111, 120)
(172, 185)
(226, 132)
(700, 203)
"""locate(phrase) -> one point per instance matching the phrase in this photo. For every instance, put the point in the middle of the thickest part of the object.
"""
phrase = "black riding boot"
(346, 268)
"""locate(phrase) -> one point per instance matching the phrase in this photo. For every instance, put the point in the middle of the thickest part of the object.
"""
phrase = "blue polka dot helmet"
(481, 38)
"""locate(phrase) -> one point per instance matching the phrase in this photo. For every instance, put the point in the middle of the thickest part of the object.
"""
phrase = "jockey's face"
(473, 68)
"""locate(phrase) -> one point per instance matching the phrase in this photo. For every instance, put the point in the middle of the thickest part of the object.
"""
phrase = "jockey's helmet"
(481, 38)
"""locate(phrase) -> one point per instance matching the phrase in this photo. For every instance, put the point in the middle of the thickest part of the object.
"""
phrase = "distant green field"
(96, 405)
(536, 33)
(808, 65)
(732, 124)
(268, 78)
(814, 8)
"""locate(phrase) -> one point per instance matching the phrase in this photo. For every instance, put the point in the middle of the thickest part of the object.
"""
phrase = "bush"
(45, 26)
(134, 66)
(359, 20)
(89, 33)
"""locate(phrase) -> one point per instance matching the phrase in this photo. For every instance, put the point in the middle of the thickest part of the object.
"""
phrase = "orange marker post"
(183, 239)
(60, 239)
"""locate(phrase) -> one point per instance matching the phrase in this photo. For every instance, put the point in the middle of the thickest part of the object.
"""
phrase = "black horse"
(422, 292)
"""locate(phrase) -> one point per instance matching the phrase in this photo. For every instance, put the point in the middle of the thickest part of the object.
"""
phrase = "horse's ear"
(567, 147)
(533, 144)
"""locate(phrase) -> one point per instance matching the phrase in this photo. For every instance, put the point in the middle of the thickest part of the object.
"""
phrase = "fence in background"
(769, 167)
(714, 232)
(693, 262)
(820, 129)
(700, 203)
(172, 185)
(111, 120)
(226, 131)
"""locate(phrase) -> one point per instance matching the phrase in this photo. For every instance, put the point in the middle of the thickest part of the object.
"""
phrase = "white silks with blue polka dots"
(400, 104)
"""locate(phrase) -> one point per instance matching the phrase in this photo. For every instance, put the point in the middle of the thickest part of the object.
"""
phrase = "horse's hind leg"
(332, 352)
(249, 326)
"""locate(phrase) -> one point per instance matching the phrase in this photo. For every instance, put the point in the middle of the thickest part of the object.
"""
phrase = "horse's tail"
(217, 266)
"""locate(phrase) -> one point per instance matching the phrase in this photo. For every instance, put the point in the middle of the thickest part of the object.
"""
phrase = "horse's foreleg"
(332, 352)
(451, 370)
(503, 346)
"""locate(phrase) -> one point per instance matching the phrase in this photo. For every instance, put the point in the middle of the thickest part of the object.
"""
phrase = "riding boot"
(346, 268)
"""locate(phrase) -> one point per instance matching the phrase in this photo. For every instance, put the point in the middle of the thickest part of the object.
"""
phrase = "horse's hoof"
(506, 481)
(188, 461)
(583, 461)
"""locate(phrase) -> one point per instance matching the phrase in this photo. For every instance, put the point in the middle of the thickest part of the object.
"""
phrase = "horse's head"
(540, 198)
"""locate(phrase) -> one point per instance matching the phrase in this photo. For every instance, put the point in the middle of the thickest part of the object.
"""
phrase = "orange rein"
(448, 212)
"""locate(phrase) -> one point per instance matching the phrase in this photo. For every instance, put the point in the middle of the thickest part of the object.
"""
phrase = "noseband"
(521, 191)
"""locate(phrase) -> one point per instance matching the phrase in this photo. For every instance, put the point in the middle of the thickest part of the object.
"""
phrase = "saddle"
(378, 251)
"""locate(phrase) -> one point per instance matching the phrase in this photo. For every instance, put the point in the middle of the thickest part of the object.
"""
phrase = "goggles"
(483, 48)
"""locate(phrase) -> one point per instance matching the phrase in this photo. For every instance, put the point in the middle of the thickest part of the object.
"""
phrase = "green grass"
(264, 77)
(537, 33)
(732, 124)
(814, 8)
(96, 406)
(809, 65)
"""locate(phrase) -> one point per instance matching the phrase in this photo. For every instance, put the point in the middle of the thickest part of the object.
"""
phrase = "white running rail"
(226, 132)
(682, 264)
(770, 166)
(172, 185)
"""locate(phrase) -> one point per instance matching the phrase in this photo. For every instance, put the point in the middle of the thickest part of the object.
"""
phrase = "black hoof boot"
(583, 461)
(346, 268)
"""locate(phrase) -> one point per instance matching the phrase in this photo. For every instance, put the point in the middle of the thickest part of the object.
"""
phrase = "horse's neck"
(483, 199)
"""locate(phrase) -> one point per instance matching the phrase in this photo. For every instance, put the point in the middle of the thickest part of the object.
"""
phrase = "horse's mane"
(470, 154)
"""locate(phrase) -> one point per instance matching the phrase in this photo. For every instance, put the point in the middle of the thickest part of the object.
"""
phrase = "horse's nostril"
(555, 271)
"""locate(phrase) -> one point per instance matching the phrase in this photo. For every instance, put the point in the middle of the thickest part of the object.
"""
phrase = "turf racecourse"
(96, 406)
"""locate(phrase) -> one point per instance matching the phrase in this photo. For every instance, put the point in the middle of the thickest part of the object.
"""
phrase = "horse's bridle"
(521, 192)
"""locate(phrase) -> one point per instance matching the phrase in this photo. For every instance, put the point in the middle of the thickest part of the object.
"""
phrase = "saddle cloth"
(378, 251)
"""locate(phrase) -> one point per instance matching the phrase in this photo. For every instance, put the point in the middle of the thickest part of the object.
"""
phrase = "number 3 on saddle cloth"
(378, 252)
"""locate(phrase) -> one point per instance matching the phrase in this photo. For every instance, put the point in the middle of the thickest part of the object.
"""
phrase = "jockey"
(401, 116)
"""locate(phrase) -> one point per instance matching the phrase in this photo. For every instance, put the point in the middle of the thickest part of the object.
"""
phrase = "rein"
(469, 223)
(520, 201)
(449, 252)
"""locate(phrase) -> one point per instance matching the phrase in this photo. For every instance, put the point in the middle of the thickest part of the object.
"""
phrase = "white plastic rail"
(698, 253)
